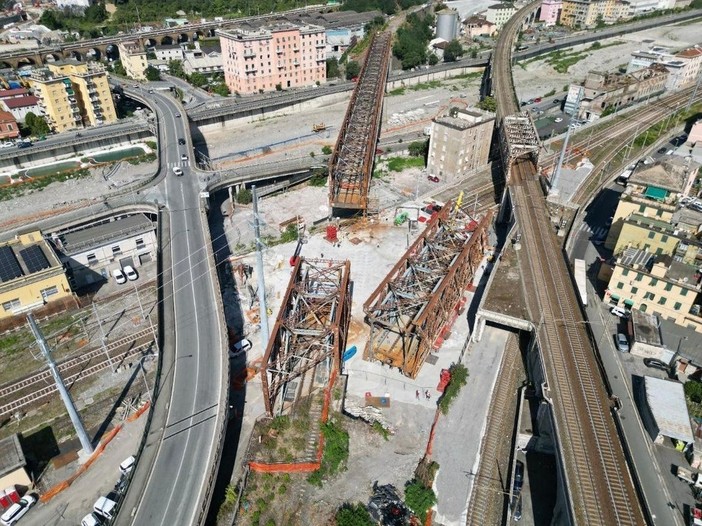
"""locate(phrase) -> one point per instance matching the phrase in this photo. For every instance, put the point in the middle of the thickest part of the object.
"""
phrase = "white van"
(127, 465)
(105, 507)
(619, 311)
(92, 520)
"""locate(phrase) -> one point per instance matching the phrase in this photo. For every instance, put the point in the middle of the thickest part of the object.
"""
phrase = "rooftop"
(646, 328)
(11, 455)
(670, 174)
(22, 259)
(465, 118)
(13, 92)
(103, 233)
(6, 116)
(21, 102)
(666, 399)
(675, 271)
(691, 52)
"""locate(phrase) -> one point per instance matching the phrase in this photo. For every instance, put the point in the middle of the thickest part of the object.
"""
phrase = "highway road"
(171, 484)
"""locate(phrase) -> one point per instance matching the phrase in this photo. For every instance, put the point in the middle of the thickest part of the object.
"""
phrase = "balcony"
(321, 45)
(253, 69)
(78, 118)
(296, 48)
(72, 99)
(70, 92)
(281, 66)
(75, 110)
(249, 53)
(296, 62)
(279, 51)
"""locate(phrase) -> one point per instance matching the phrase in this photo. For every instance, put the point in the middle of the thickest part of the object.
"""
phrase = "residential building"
(278, 56)
(8, 126)
(30, 275)
(198, 61)
(478, 26)
(90, 253)
(175, 22)
(589, 13)
(550, 10)
(573, 99)
(644, 58)
(459, 143)
(683, 67)
(695, 135)
(81, 4)
(14, 93)
(73, 94)
(174, 52)
(13, 464)
(658, 285)
(339, 40)
(133, 58)
(606, 92)
(20, 106)
(641, 7)
(692, 58)
(498, 14)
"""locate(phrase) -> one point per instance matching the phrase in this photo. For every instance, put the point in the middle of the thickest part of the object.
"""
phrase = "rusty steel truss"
(518, 138)
(351, 162)
(311, 327)
(421, 295)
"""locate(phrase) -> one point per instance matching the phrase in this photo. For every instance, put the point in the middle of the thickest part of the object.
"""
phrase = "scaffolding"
(518, 138)
(311, 329)
(412, 310)
(351, 162)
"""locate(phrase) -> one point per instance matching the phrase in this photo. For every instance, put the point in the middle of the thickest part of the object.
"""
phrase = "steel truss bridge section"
(311, 327)
(351, 162)
(518, 138)
(411, 308)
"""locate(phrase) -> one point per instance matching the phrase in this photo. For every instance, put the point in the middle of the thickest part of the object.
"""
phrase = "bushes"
(419, 499)
(693, 390)
(459, 377)
(336, 452)
(353, 515)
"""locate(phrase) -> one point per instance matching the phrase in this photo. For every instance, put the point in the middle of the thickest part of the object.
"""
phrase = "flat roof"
(646, 328)
(11, 455)
(94, 236)
(666, 399)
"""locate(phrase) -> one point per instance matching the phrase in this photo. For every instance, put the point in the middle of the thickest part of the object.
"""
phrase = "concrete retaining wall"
(432, 75)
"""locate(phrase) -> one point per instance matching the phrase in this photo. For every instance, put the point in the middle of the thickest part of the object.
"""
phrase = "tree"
(419, 499)
(353, 69)
(353, 515)
(36, 125)
(488, 104)
(221, 89)
(693, 390)
(152, 73)
(118, 68)
(95, 13)
(198, 79)
(50, 19)
(453, 51)
(244, 197)
(175, 68)
(333, 68)
(433, 59)
(418, 148)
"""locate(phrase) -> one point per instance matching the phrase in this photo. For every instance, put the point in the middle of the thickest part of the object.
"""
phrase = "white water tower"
(447, 24)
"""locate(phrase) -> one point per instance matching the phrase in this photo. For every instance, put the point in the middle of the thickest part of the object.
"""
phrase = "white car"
(178, 171)
(127, 465)
(130, 272)
(92, 520)
(183, 157)
(558, 119)
(17, 510)
(241, 346)
(119, 276)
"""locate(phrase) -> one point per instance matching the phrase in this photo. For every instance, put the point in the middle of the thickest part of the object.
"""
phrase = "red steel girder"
(311, 327)
(409, 309)
(351, 162)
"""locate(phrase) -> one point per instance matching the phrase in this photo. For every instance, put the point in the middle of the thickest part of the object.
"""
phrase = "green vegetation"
(397, 164)
(378, 428)
(10, 191)
(290, 234)
(151, 144)
(693, 396)
(152, 73)
(412, 39)
(488, 104)
(319, 177)
(419, 499)
(459, 377)
(419, 148)
(333, 68)
(326, 149)
(35, 125)
(69, 20)
(336, 452)
(396, 91)
(145, 158)
(353, 515)
(244, 197)
(386, 6)
(550, 93)
(453, 51)
(353, 69)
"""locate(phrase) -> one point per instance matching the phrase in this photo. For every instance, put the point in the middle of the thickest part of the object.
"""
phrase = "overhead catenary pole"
(65, 396)
(259, 271)
(556, 175)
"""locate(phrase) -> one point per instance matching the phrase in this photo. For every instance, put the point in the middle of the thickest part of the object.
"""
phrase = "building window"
(625, 272)
(664, 239)
(668, 286)
(654, 282)
(677, 305)
(642, 208)
(45, 293)
(662, 300)
(651, 235)
(634, 290)
(649, 296)
(11, 305)
(683, 292)
(139, 243)
(92, 259)
(620, 285)
(116, 251)
(639, 277)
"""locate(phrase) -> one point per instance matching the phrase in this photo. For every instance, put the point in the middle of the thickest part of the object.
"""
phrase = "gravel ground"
(538, 78)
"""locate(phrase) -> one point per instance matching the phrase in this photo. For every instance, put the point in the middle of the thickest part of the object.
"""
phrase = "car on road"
(523, 103)
(239, 347)
(530, 101)
(661, 151)
(575, 124)
(619, 311)
(558, 119)
(130, 272)
(537, 100)
(183, 157)
(177, 115)
(119, 276)
(178, 171)
(24, 144)
(655, 363)
(433, 178)
(622, 342)
(181, 141)
(151, 91)
(18, 510)
(556, 101)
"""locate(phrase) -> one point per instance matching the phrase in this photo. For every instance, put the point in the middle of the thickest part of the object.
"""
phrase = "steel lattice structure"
(409, 310)
(351, 162)
(311, 327)
(518, 138)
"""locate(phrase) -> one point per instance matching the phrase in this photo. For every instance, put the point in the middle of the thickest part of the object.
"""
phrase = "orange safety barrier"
(52, 492)
(302, 467)
(139, 412)
(430, 442)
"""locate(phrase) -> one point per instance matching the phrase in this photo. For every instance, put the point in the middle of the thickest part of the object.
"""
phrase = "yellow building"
(588, 13)
(73, 94)
(658, 285)
(31, 275)
(133, 58)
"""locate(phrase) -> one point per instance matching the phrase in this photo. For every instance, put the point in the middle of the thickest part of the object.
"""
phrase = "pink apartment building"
(286, 54)
(549, 11)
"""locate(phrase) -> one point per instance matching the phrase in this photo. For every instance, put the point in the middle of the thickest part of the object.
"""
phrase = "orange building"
(8, 126)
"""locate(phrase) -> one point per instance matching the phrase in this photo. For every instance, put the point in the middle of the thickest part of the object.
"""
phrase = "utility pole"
(67, 401)
(557, 174)
(259, 271)
(102, 338)
(694, 92)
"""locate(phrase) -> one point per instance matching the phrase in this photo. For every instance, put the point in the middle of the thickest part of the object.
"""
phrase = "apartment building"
(683, 67)
(8, 126)
(550, 10)
(459, 143)
(280, 56)
(478, 26)
(200, 61)
(498, 14)
(588, 13)
(31, 275)
(657, 284)
(133, 57)
(603, 92)
(173, 52)
(73, 94)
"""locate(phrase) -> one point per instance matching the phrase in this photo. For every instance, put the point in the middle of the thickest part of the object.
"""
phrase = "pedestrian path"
(596, 231)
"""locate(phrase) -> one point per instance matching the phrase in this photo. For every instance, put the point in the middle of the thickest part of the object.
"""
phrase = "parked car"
(556, 101)
(433, 178)
(119, 276)
(181, 141)
(537, 100)
(18, 510)
(92, 519)
(130, 272)
(105, 507)
(655, 363)
(558, 119)
(239, 347)
(661, 150)
(127, 465)
(619, 311)
(622, 342)
(24, 144)
(178, 171)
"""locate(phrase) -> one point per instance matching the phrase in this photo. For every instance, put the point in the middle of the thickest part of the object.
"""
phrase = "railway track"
(34, 388)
